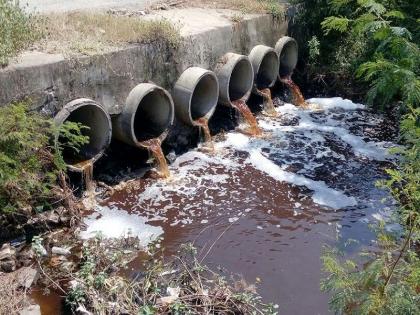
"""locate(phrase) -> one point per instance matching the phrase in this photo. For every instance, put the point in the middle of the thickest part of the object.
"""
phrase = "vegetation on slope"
(31, 165)
(18, 30)
(348, 43)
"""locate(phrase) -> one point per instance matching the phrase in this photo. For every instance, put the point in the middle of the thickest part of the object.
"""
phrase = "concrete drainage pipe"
(147, 114)
(195, 95)
(92, 115)
(287, 49)
(265, 63)
(236, 78)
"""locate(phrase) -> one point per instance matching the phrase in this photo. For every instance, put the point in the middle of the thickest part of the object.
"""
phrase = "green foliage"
(71, 136)
(29, 163)
(17, 30)
(373, 41)
(392, 68)
(313, 45)
(387, 281)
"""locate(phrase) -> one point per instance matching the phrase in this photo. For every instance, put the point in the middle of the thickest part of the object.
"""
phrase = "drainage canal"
(266, 204)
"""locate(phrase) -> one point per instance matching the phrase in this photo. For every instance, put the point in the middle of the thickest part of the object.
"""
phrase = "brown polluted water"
(298, 98)
(243, 109)
(155, 149)
(259, 207)
(268, 104)
(203, 123)
(86, 167)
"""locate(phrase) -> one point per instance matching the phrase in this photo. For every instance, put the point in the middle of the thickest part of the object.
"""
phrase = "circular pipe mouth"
(265, 63)
(287, 49)
(236, 78)
(147, 114)
(195, 94)
(204, 98)
(153, 115)
(97, 121)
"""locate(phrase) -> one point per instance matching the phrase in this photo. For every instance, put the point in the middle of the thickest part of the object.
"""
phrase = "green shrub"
(30, 163)
(392, 64)
(373, 41)
(17, 30)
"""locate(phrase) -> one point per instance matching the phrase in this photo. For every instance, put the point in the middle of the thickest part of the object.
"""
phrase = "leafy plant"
(361, 41)
(392, 70)
(30, 163)
(17, 30)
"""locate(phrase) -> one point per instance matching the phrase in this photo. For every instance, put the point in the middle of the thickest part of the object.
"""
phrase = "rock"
(26, 276)
(31, 310)
(41, 250)
(171, 298)
(60, 251)
(8, 265)
(81, 310)
(7, 252)
(53, 217)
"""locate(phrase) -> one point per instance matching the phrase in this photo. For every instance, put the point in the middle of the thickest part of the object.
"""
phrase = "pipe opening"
(241, 80)
(204, 98)
(153, 115)
(288, 58)
(267, 72)
(98, 123)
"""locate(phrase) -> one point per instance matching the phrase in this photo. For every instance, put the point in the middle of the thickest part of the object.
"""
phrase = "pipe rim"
(224, 74)
(186, 89)
(151, 88)
(212, 109)
(282, 43)
(257, 61)
(74, 105)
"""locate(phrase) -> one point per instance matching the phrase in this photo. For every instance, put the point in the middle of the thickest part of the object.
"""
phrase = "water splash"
(298, 98)
(243, 109)
(155, 149)
(268, 104)
(86, 168)
(203, 123)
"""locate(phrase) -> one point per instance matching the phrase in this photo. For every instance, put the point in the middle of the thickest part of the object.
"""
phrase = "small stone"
(26, 276)
(6, 252)
(53, 217)
(31, 310)
(60, 251)
(8, 265)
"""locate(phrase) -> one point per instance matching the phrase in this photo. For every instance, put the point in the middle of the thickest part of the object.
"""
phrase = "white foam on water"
(323, 194)
(336, 102)
(116, 223)
(371, 150)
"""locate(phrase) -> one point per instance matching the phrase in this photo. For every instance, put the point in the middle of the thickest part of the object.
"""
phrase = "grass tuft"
(92, 33)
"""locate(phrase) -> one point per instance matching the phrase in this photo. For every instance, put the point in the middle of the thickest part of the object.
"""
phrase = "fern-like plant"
(393, 68)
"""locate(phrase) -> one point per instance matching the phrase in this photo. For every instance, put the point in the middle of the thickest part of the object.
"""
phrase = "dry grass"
(245, 6)
(12, 298)
(92, 33)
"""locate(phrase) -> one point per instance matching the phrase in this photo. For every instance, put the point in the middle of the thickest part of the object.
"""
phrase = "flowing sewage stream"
(263, 207)
(155, 149)
(252, 129)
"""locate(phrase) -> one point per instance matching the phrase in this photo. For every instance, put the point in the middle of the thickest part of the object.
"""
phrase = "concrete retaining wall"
(51, 81)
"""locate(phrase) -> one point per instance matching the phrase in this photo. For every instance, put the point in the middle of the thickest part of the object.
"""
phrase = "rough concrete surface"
(51, 81)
